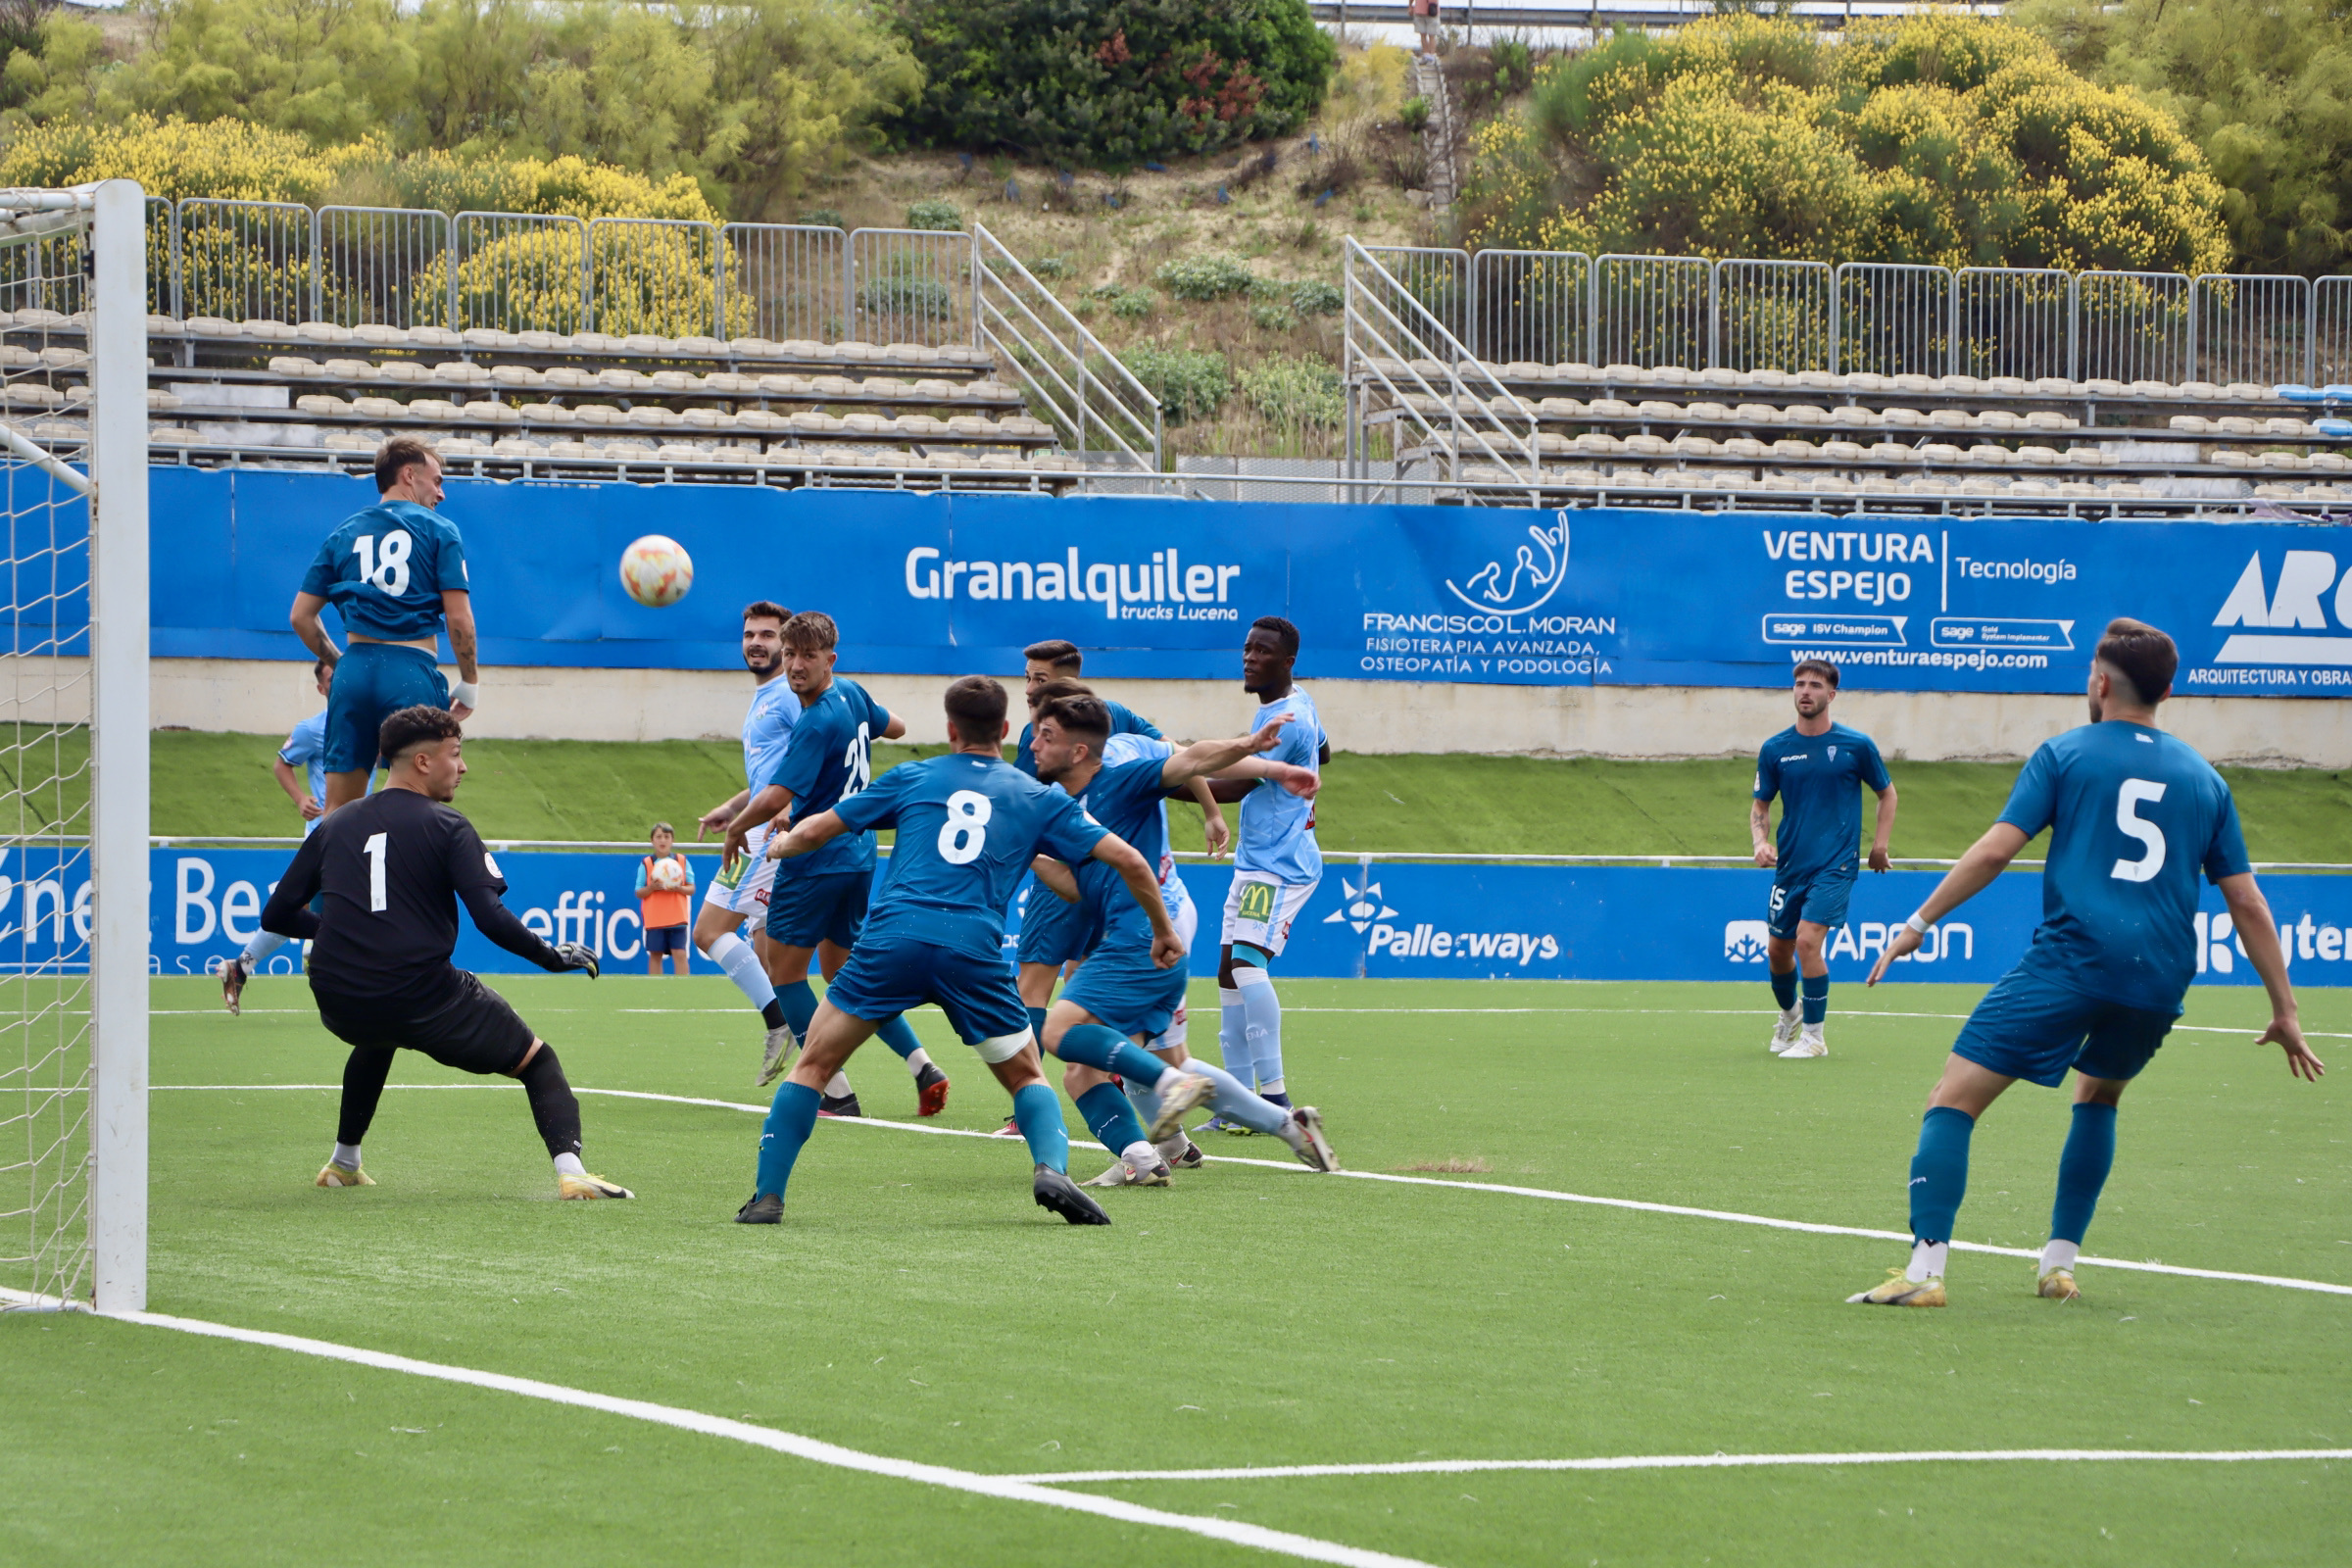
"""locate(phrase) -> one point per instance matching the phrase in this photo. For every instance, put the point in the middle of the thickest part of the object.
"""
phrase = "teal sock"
(1109, 1118)
(1106, 1050)
(1817, 998)
(2082, 1167)
(899, 1035)
(1784, 987)
(790, 1120)
(1037, 1112)
(1037, 1025)
(800, 1008)
(1940, 1172)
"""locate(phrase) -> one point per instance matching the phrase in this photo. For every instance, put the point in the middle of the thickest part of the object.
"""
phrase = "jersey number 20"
(388, 567)
(2128, 802)
(964, 834)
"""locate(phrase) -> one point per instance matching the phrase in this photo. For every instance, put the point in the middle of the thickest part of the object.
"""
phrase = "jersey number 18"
(386, 569)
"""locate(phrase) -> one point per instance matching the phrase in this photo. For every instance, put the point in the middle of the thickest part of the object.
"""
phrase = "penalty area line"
(1547, 1193)
(815, 1450)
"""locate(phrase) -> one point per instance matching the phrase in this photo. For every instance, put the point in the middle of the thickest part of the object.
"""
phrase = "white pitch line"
(1552, 1194)
(1843, 1015)
(812, 1450)
(1698, 1461)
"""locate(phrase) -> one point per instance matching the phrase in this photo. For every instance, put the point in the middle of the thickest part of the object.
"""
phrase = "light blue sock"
(1037, 1112)
(899, 1035)
(1784, 987)
(800, 1008)
(790, 1120)
(1146, 1102)
(1262, 1015)
(1233, 1035)
(1108, 1117)
(1817, 998)
(1940, 1172)
(2082, 1167)
(1235, 1102)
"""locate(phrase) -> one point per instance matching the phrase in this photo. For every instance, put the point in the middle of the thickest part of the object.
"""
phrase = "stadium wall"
(269, 696)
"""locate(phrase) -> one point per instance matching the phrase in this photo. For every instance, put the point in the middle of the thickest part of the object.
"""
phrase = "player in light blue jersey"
(740, 890)
(1819, 769)
(816, 906)
(1275, 869)
(2134, 816)
(305, 749)
(1119, 993)
(396, 574)
(969, 825)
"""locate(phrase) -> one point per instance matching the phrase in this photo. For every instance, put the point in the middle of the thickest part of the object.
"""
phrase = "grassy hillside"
(220, 784)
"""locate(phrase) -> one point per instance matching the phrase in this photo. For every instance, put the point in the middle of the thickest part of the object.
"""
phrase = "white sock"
(2060, 1254)
(1792, 1014)
(740, 961)
(1140, 1157)
(1927, 1261)
(263, 944)
(839, 1088)
(918, 1061)
(1271, 1087)
(569, 1166)
(346, 1156)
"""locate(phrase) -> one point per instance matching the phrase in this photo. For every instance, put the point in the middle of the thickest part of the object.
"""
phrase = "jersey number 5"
(388, 567)
(964, 834)
(374, 849)
(2128, 800)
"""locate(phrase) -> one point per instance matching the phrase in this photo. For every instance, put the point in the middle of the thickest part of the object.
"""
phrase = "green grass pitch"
(916, 1304)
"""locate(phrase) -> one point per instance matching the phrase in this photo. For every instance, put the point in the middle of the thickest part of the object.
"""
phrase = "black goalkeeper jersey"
(392, 867)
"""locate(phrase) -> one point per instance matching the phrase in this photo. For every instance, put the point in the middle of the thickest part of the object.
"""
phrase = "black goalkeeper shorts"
(474, 1030)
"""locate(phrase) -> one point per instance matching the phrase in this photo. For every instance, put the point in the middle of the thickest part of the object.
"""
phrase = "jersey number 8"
(964, 834)
(387, 568)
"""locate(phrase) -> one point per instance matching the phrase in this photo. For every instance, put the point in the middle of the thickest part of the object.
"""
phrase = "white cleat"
(1123, 1174)
(1784, 1033)
(776, 1056)
(1304, 1134)
(1809, 1044)
(1177, 1100)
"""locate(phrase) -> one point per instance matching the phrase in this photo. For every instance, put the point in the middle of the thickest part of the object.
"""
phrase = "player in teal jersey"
(2134, 815)
(815, 906)
(1121, 991)
(1819, 769)
(396, 574)
(969, 825)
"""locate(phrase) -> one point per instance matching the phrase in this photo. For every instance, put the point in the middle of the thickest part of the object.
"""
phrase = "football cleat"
(760, 1211)
(1898, 1290)
(1304, 1135)
(1011, 1129)
(930, 1091)
(1784, 1033)
(1231, 1129)
(1123, 1174)
(2058, 1285)
(587, 1187)
(1809, 1044)
(1178, 1100)
(777, 1054)
(1182, 1154)
(1058, 1193)
(233, 977)
(336, 1175)
(839, 1105)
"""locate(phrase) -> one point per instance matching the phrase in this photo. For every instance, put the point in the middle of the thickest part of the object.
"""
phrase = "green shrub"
(1052, 267)
(935, 213)
(822, 218)
(1315, 297)
(1134, 304)
(1190, 383)
(908, 296)
(1205, 277)
(1298, 394)
(1111, 82)
(1273, 318)
(1414, 116)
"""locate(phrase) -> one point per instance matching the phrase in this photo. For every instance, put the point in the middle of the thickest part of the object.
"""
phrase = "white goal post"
(73, 739)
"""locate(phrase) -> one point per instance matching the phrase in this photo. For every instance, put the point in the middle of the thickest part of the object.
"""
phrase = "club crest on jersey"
(1833, 754)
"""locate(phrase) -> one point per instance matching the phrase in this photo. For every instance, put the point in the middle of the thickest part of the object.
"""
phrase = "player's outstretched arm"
(715, 819)
(1203, 758)
(1168, 948)
(493, 919)
(1985, 860)
(1302, 782)
(2250, 911)
(807, 836)
(288, 913)
(304, 619)
(1054, 875)
(1883, 834)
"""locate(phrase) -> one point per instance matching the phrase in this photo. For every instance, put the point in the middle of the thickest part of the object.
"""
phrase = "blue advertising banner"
(1387, 920)
(948, 585)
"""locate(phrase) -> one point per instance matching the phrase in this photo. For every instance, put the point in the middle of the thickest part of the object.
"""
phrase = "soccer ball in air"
(656, 571)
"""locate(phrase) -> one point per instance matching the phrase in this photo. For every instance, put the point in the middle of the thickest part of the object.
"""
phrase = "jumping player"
(392, 868)
(2134, 815)
(740, 890)
(396, 574)
(816, 905)
(1818, 769)
(969, 825)
(1275, 869)
(1121, 991)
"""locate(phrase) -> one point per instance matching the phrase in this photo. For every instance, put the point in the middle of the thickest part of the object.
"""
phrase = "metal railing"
(910, 285)
(1392, 339)
(380, 267)
(1095, 403)
(2012, 322)
(1779, 315)
(784, 283)
(1649, 311)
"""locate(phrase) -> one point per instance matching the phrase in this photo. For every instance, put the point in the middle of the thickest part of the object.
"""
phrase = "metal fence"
(1445, 401)
(246, 260)
(910, 285)
(2133, 327)
(1774, 315)
(1893, 320)
(1096, 403)
(2012, 322)
(1649, 311)
(2251, 328)
(2331, 331)
(1530, 305)
(784, 283)
(380, 267)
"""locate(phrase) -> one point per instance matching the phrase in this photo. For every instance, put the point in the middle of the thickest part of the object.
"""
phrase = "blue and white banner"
(1387, 920)
(949, 585)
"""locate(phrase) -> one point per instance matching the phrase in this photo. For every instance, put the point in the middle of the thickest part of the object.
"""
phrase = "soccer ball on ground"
(656, 571)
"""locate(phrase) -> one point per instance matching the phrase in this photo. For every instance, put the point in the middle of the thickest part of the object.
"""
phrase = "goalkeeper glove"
(576, 956)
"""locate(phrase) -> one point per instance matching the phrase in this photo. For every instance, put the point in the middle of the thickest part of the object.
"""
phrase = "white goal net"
(73, 748)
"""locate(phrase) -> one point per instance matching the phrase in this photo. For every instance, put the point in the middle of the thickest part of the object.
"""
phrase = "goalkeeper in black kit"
(392, 868)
